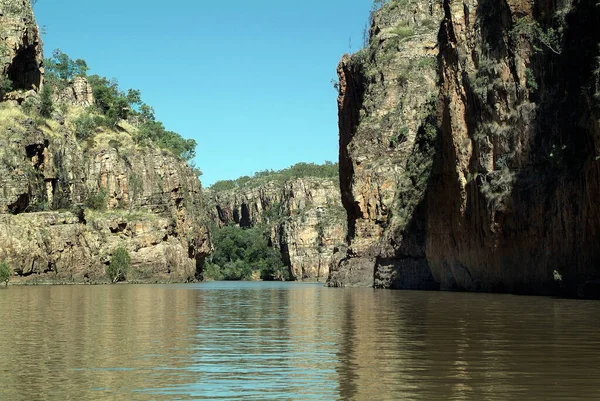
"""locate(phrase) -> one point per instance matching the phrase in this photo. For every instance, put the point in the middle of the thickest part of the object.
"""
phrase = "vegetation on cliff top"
(299, 170)
(112, 105)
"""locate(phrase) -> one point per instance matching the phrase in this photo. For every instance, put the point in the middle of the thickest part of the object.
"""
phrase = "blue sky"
(248, 80)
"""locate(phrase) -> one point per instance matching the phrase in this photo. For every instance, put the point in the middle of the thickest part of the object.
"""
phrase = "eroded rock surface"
(67, 204)
(304, 217)
(495, 183)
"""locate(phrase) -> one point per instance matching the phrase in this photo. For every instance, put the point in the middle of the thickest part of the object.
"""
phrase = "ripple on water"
(241, 341)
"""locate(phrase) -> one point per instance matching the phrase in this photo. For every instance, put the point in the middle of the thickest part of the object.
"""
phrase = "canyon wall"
(67, 204)
(303, 217)
(477, 170)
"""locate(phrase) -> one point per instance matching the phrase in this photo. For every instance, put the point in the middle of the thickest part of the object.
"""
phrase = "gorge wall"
(469, 148)
(303, 217)
(66, 204)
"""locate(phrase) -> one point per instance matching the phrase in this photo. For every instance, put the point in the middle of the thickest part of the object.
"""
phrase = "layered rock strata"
(67, 204)
(495, 188)
(304, 217)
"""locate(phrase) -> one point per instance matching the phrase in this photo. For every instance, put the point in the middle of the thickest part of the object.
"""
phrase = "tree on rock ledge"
(120, 263)
(5, 273)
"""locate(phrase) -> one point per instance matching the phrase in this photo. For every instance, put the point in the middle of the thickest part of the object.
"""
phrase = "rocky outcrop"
(66, 204)
(497, 188)
(149, 203)
(387, 94)
(304, 217)
(78, 92)
(21, 58)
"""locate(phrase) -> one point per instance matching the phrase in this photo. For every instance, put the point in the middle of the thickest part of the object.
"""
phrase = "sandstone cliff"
(304, 217)
(66, 204)
(477, 171)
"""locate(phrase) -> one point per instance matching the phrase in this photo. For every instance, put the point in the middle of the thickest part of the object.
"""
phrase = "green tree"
(98, 200)
(46, 104)
(6, 85)
(240, 252)
(5, 273)
(61, 67)
(119, 266)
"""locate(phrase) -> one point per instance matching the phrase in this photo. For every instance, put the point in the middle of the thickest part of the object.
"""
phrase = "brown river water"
(292, 341)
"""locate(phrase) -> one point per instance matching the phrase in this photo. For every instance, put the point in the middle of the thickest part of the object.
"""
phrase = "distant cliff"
(303, 217)
(469, 148)
(73, 190)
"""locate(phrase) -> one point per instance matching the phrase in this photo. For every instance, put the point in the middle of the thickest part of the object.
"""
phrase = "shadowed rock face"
(495, 184)
(21, 51)
(303, 217)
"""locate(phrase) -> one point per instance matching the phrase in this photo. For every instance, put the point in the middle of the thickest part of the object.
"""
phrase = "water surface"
(292, 341)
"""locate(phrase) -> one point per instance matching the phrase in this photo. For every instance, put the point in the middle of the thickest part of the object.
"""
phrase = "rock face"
(154, 207)
(495, 185)
(21, 57)
(78, 93)
(304, 217)
(66, 205)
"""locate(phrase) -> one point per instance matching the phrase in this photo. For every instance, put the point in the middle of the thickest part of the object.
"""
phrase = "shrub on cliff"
(5, 273)
(112, 104)
(46, 105)
(6, 85)
(119, 266)
(98, 200)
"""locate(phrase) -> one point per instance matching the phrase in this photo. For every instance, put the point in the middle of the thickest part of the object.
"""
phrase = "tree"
(240, 252)
(120, 262)
(46, 105)
(5, 273)
(62, 67)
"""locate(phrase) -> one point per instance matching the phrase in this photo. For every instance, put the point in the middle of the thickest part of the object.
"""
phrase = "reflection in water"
(293, 341)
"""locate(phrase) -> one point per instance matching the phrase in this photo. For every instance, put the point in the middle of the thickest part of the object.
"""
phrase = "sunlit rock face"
(303, 217)
(476, 169)
(147, 201)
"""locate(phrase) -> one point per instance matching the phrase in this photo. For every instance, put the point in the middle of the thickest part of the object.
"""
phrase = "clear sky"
(249, 80)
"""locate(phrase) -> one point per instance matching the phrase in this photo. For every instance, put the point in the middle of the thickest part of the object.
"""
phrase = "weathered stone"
(77, 93)
(148, 201)
(306, 220)
(21, 57)
(494, 185)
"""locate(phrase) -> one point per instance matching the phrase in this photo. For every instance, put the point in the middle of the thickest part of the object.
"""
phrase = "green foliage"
(403, 31)
(119, 266)
(300, 170)
(98, 200)
(114, 105)
(531, 81)
(5, 272)
(62, 67)
(240, 252)
(46, 105)
(110, 100)
(400, 138)
(419, 167)
(541, 38)
(6, 85)
(85, 125)
(30, 105)
(155, 132)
